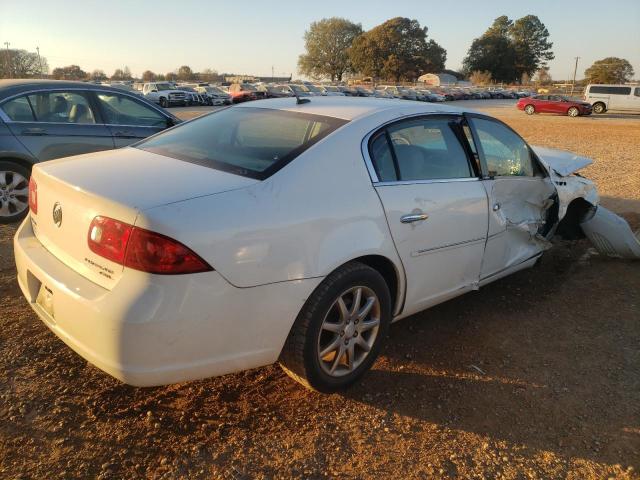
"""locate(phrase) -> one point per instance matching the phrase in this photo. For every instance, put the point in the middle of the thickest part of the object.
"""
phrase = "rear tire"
(14, 192)
(573, 112)
(529, 109)
(163, 102)
(339, 332)
(599, 107)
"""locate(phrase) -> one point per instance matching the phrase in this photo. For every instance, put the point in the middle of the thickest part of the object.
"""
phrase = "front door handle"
(496, 207)
(122, 134)
(34, 131)
(413, 217)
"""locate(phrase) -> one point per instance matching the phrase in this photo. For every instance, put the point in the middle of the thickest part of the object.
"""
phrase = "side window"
(18, 110)
(61, 107)
(121, 110)
(636, 92)
(382, 158)
(428, 149)
(505, 153)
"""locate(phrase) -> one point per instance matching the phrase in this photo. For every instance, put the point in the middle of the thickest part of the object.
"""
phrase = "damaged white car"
(290, 230)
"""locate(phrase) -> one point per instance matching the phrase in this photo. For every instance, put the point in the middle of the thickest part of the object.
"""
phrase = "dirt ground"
(534, 376)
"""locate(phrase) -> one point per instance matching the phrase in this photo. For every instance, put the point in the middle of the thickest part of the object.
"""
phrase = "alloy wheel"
(349, 331)
(14, 193)
(529, 109)
(573, 112)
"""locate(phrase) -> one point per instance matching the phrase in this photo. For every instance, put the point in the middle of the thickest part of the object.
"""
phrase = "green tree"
(610, 70)
(543, 77)
(531, 42)
(397, 50)
(509, 50)
(21, 64)
(327, 44)
(494, 54)
(70, 72)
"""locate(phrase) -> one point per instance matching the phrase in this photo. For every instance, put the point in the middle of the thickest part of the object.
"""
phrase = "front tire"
(340, 329)
(529, 109)
(573, 112)
(14, 192)
(599, 107)
(163, 102)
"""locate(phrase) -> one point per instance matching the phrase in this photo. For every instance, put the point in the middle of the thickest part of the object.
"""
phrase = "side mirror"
(171, 123)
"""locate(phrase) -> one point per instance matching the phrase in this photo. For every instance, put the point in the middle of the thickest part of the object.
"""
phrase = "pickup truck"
(164, 93)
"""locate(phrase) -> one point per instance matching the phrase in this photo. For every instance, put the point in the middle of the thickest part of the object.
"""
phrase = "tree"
(327, 44)
(480, 78)
(148, 76)
(118, 74)
(610, 70)
(530, 39)
(70, 72)
(543, 77)
(185, 73)
(208, 75)
(171, 77)
(21, 64)
(493, 54)
(398, 49)
(509, 49)
(98, 75)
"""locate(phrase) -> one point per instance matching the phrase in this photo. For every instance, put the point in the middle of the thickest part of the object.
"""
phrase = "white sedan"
(291, 231)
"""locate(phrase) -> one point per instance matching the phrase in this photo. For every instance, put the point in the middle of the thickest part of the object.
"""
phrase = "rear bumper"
(156, 330)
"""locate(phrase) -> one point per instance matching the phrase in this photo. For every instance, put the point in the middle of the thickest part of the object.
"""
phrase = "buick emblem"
(57, 214)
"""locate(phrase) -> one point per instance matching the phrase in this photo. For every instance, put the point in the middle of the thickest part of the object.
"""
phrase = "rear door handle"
(413, 217)
(122, 134)
(34, 131)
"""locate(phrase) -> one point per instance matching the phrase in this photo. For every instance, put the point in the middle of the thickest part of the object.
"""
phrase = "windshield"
(313, 88)
(252, 142)
(165, 86)
(248, 86)
(331, 89)
(299, 88)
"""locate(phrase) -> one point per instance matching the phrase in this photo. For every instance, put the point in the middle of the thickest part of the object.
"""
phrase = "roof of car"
(348, 108)
(14, 86)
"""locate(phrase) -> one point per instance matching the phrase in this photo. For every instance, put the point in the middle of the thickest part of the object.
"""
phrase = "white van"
(613, 97)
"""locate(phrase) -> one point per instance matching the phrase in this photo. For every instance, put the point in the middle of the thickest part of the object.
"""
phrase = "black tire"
(163, 102)
(599, 107)
(13, 215)
(300, 355)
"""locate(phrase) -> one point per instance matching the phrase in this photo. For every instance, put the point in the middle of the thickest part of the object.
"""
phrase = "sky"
(254, 37)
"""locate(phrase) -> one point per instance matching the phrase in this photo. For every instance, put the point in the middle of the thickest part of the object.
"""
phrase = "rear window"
(252, 142)
(610, 90)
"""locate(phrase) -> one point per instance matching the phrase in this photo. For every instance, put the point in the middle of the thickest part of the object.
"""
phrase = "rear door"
(435, 204)
(520, 195)
(57, 123)
(129, 119)
(620, 98)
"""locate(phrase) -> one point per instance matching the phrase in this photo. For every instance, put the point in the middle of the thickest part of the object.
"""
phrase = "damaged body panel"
(609, 233)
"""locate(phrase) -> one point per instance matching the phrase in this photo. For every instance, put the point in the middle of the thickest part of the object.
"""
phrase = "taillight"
(142, 249)
(33, 195)
(108, 238)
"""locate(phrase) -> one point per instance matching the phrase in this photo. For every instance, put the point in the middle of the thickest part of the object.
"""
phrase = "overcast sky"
(251, 37)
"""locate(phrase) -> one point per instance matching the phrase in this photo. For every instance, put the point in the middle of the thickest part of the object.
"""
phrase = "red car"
(553, 104)
(244, 92)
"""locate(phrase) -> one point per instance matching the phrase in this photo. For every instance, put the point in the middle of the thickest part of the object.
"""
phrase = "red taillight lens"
(142, 249)
(155, 253)
(108, 238)
(33, 195)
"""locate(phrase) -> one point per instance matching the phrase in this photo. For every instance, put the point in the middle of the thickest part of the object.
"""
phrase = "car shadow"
(552, 383)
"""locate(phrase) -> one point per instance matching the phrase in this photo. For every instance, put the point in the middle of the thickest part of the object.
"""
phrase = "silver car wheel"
(573, 112)
(14, 193)
(348, 331)
(529, 109)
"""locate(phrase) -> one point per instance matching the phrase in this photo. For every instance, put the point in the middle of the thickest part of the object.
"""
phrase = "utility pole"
(39, 61)
(574, 75)
(272, 75)
(8, 60)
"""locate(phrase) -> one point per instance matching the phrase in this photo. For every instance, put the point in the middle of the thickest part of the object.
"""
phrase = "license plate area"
(45, 301)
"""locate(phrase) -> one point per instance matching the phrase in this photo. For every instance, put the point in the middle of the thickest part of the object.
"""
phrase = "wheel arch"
(569, 227)
(22, 160)
(390, 272)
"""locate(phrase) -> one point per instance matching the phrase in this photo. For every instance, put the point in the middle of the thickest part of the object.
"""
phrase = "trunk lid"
(117, 184)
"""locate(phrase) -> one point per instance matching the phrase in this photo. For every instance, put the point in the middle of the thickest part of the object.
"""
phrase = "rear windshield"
(252, 142)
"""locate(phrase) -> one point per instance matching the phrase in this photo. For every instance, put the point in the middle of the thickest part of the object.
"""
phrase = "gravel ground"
(534, 376)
